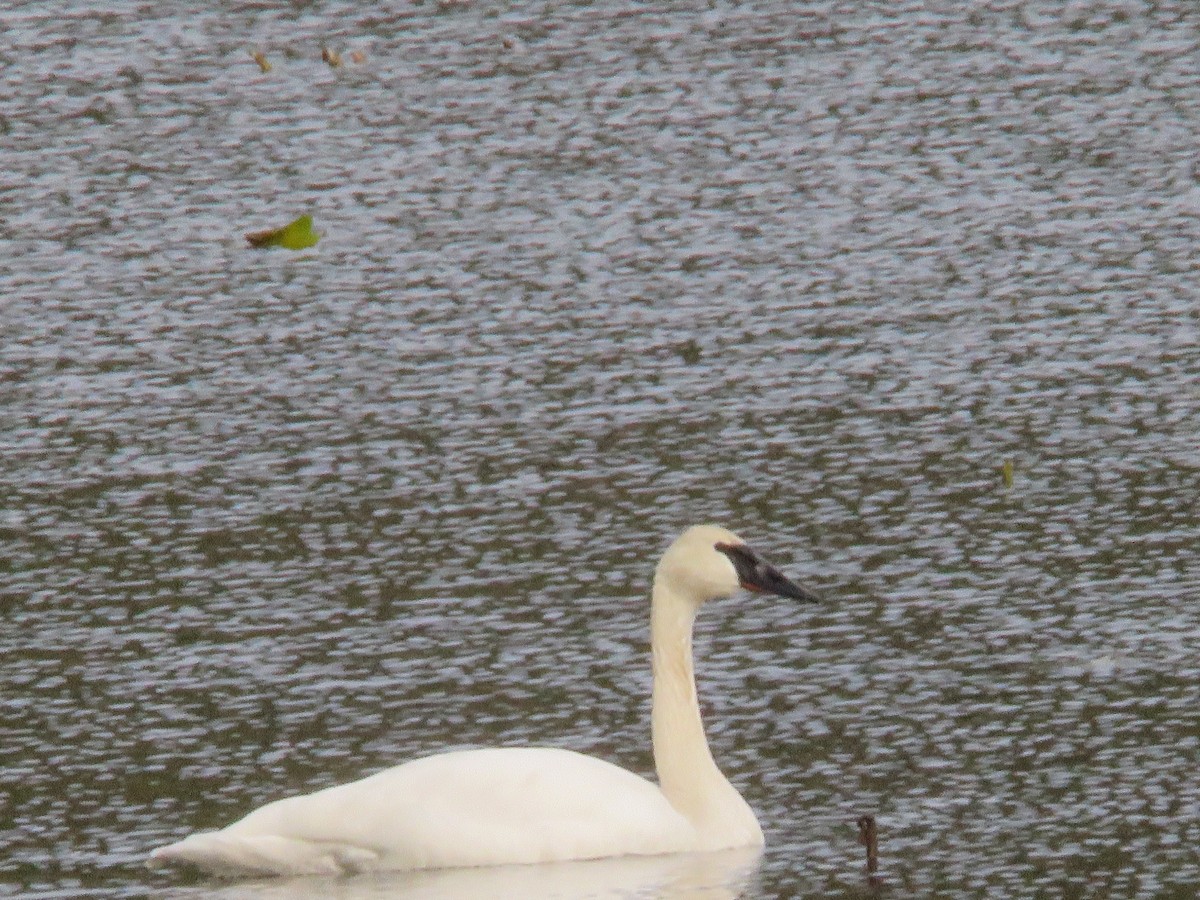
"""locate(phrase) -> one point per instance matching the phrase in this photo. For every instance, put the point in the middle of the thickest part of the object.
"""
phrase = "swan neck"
(687, 773)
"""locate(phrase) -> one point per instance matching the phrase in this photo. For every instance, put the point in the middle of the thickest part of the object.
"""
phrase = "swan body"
(528, 805)
(453, 809)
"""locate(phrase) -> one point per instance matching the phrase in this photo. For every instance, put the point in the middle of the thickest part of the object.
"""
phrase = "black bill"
(756, 574)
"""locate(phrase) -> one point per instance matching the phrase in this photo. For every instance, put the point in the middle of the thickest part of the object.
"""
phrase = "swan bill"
(756, 574)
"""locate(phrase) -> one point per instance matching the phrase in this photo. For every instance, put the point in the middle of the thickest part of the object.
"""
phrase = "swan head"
(708, 562)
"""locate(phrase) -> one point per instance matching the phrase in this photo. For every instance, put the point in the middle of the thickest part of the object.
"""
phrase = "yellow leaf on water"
(294, 236)
(1006, 472)
(261, 59)
(331, 56)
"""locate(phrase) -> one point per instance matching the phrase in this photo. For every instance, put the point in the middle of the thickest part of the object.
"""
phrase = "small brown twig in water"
(869, 838)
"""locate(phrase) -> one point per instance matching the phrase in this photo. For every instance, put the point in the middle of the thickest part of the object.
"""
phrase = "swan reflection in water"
(720, 875)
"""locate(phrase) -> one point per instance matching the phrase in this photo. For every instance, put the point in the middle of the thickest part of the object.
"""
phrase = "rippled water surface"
(592, 272)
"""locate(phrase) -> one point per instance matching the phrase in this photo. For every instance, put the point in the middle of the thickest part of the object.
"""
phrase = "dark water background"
(590, 273)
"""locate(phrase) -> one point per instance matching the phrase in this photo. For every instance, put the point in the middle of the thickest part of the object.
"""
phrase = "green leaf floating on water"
(295, 236)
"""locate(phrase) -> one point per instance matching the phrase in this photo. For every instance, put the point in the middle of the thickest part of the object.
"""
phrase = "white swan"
(504, 806)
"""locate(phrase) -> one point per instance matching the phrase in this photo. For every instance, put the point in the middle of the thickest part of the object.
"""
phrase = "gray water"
(590, 273)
